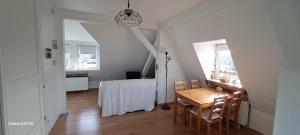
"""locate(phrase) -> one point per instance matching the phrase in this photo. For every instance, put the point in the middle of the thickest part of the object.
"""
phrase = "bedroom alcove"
(115, 60)
(121, 50)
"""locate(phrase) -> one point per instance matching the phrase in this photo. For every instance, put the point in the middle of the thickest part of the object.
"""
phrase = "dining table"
(200, 98)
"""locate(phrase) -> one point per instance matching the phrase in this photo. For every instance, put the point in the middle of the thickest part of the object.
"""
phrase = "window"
(224, 65)
(81, 55)
(216, 61)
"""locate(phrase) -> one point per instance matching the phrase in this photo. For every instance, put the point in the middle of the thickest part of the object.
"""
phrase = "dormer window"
(82, 51)
(82, 56)
(224, 65)
(217, 62)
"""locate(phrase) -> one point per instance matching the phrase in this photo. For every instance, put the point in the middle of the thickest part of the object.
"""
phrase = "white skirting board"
(50, 124)
(261, 122)
(258, 121)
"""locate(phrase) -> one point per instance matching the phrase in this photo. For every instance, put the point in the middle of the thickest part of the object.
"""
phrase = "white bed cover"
(120, 96)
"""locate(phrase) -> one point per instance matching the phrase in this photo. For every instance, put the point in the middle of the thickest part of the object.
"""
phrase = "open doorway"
(1, 131)
(95, 53)
(119, 52)
(1, 101)
(82, 56)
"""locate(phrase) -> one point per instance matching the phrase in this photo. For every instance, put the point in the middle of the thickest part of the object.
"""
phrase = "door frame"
(1, 108)
(61, 40)
(1, 90)
(39, 60)
(2, 99)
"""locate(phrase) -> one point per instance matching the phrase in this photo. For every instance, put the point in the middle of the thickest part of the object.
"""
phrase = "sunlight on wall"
(206, 54)
(216, 61)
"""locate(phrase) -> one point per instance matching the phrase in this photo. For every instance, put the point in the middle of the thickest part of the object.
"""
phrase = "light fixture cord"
(128, 4)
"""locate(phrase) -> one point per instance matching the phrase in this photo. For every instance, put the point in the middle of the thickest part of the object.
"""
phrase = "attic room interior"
(140, 67)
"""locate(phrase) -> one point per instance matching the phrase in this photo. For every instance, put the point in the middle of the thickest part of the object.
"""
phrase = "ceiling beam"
(150, 58)
(142, 38)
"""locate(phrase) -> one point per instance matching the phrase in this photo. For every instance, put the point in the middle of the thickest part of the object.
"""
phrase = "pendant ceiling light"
(128, 17)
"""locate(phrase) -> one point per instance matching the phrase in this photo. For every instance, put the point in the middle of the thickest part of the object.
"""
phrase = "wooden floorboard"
(84, 118)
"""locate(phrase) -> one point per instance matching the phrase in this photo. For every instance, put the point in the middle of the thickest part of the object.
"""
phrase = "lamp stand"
(166, 106)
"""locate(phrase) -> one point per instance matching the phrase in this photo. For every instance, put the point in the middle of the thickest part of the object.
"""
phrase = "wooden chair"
(195, 84)
(212, 115)
(233, 107)
(180, 85)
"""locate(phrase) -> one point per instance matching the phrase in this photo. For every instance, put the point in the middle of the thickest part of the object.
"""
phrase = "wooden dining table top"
(201, 97)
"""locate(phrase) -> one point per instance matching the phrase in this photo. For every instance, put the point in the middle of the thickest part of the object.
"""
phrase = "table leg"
(175, 108)
(199, 121)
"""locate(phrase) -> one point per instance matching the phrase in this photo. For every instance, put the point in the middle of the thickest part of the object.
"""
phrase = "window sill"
(228, 86)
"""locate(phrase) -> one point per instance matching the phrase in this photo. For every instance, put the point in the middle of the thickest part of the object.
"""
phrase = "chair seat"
(205, 114)
(183, 103)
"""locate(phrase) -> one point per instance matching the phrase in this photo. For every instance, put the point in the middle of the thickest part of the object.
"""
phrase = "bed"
(118, 97)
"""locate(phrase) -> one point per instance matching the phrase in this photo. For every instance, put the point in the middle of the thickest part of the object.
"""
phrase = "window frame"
(223, 47)
(77, 56)
(219, 47)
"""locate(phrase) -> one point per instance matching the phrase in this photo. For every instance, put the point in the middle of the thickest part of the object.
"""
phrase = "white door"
(1, 126)
(1, 131)
(22, 95)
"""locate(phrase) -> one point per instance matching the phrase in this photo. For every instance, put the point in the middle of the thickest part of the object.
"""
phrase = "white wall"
(175, 71)
(247, 27)
(75, 31)
(120, 51)
(287, 108)
(286, 24)
(295, 4)
(61, 61)
(47, 33)
(285, 17)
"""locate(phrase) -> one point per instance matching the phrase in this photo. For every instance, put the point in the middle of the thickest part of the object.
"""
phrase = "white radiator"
(244, 113)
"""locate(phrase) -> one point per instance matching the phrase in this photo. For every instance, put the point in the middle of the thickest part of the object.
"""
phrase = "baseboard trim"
(261, 122)
(55, 123)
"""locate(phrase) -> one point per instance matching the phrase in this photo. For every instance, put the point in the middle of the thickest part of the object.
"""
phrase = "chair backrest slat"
(236, 100)
(179, 85)
(218, 106)
(195, 84)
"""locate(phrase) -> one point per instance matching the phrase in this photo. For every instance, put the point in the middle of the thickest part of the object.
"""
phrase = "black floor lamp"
(165, 106)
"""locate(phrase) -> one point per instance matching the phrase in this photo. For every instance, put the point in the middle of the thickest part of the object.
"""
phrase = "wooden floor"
(84, 118)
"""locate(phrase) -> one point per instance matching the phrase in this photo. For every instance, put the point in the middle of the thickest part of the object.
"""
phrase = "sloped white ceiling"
(120, 51)
(151, 10)
(75, 31)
